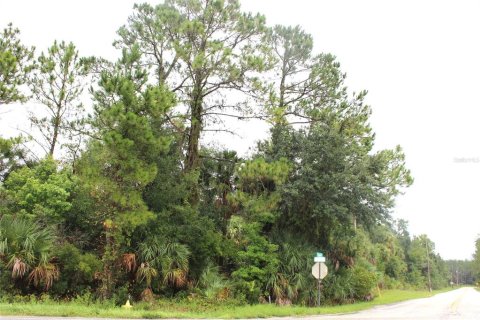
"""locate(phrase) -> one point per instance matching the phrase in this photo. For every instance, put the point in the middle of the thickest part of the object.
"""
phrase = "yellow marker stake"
(127, 305)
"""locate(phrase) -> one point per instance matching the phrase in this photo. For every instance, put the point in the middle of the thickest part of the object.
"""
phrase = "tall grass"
(195, 309)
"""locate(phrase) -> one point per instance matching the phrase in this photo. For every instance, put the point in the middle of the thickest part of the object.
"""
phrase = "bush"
(77, 271)
(213, 285)
(391, 283)
(350, 284)
(337, 288)
(120, 295)
(363, 281)
(84, 299)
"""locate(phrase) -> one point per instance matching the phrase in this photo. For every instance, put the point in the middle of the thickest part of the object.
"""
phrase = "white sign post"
(319, 271)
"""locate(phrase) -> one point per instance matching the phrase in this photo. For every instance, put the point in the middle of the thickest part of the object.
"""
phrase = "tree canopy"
(15, 65)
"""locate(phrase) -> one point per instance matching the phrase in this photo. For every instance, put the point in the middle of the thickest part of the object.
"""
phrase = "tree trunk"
(192, 158)
(192, 161)
(196, 109)
(108, 260)
(56, 128)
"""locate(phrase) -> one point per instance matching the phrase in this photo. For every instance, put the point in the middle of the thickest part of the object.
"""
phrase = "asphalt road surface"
(462, 303)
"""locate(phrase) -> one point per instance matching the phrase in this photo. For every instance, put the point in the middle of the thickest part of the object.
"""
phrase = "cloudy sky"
(419, 60)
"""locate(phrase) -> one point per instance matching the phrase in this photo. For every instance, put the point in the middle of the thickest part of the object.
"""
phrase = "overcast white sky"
(419, 60)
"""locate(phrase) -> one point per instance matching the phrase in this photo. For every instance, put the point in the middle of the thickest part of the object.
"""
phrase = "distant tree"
(462, 271)
(337, 182)
(15, 65)
(476, 258)
(202, 50)
(122, 162)
(292, 47)
(57, 84)
(118, 166)
(390, 257)
(401, 229)
(426, 269)
(301, 84)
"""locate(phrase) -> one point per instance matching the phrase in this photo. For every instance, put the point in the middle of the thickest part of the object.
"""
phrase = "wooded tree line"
(127, 199)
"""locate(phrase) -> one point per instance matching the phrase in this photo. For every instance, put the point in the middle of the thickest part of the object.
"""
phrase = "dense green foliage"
(469, 270)
(142, 209)
(15, 65)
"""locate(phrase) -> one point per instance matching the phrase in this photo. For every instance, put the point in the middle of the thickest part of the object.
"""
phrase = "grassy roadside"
(186, 310)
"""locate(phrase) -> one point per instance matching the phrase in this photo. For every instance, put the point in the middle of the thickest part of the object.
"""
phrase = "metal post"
(428, 267)
(318, 299)
(319, 281)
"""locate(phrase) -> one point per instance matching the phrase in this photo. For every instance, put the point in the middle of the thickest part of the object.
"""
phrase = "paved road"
(458, 304)
(462, 304)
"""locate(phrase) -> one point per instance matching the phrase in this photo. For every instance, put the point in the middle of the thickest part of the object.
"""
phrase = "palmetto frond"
(176, 255)
(146, 272)
(129, 261)
(171, 258)
(175, 277)
(24, 244)
(151, 250)
(174, 263)
(44, 274)
(19, 268)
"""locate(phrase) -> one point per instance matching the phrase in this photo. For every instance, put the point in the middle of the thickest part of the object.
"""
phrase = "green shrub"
(77, 271)
(363, 281)
(213, 286)
(120, 295)
(391, 283)
(350, 284)
(338, 287)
